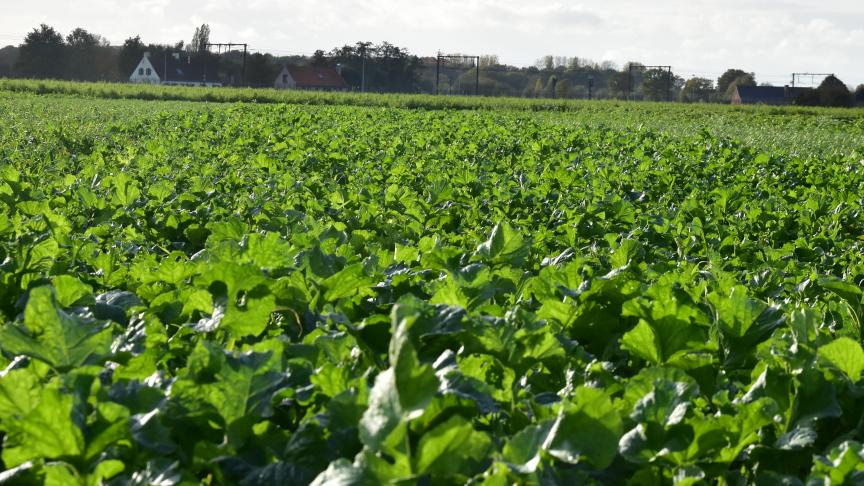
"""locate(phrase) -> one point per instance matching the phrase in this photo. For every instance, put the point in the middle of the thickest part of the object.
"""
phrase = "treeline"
(84, 56)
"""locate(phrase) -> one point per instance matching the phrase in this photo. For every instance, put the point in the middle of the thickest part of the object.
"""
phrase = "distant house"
(310, 77)
(174, 70)
(766, 95)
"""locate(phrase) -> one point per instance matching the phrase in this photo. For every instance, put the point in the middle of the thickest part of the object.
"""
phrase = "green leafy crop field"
(327, 293)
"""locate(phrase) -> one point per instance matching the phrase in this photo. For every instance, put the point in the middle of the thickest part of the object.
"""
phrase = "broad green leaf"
(244, 293)
(403, 391)
(71, 291)
(666, 328)
(384, 412)
(19, 393)
(239, 387)
(522, 451)
(51, 335)
(47, 431)
(587, 428)
(743, 322)
(846, 355)
(452, 448)
(340, 472)
(816, 398)
(849, 292)
(504, 246)
(60, 474)
(105, 470)
(349, 281)
(642, 341)
(626, 253)
(665, 405)
(840, 464)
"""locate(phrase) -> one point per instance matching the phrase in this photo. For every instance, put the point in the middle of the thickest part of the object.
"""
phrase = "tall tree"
(489, 60)
(619, 84)
(87, 56)
(260, 70)
(697, 89)
(8, 58)
(551, 90)
(736, 77)
(319, 58)
(546, 63)
(81, 39)
(42, 54)
(200, 39)
(564, 88)
(130, 55)
(657, 85)
(385, 67)
(538, 88)
(833, 92)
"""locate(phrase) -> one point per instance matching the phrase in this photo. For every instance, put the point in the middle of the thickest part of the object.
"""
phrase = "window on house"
(140, 71)
(285, 79)
(149, 71)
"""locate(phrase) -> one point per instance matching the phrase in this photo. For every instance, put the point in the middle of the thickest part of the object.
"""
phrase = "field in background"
(422, 101)
(798, 130)
(363, 289)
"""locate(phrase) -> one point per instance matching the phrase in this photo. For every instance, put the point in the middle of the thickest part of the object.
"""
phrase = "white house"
(174, 70)
(145, 72)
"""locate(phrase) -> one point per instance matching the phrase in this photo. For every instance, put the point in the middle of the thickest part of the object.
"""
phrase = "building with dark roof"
(175, 69)
(310, 77)
(767, 95)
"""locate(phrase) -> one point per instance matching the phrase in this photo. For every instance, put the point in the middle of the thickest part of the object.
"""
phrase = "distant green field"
(391, 289)
(266, 95)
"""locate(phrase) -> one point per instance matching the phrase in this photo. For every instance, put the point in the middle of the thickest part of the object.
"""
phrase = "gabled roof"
(184, 70)
(768, 94)
(317, 77)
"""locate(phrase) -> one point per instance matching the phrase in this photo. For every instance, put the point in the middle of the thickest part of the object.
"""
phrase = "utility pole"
(630, 81)
(669, 84)
(437, 71)
(477, 78)
(795, 76)
(228, 47)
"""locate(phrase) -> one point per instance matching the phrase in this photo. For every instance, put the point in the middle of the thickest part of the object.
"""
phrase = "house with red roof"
(311, 78)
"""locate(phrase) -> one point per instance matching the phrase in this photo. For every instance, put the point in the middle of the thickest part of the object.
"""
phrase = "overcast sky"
(773, 38)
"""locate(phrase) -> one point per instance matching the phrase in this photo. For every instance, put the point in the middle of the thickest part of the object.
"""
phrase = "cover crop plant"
(287, 294)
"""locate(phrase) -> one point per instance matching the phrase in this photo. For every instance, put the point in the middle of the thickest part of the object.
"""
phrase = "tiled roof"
(317, 77)
(755, 94)
(184, 70)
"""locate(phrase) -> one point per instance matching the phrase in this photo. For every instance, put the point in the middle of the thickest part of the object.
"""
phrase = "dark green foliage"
(733, 77)
(129, 56)
(42, 54)
(833, 92)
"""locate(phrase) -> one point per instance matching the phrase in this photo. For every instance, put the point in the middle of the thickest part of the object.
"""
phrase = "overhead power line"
(461, 57)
